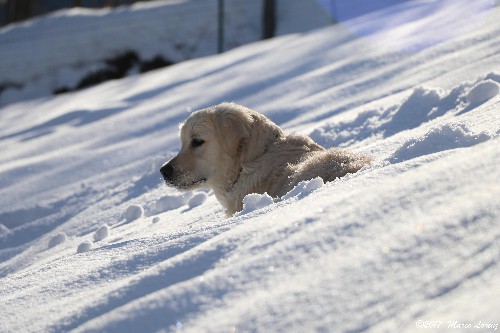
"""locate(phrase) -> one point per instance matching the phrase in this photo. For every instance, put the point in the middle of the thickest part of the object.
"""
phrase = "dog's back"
(296, 158)
(329, 165)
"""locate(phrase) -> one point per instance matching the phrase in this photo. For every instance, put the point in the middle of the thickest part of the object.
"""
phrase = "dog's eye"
(197, 142)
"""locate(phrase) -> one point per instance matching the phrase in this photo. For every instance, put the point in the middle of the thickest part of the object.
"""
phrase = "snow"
(304, 188)
(442, 137)
(482, 92)
(57, 239)
(421, 106)
(101, 233)
(412, 239)
(133, 212)
(84, 247)
(197, 200)
(169, 202)
(255, 201)
(83, 41)
(145, 28)
(3, 230)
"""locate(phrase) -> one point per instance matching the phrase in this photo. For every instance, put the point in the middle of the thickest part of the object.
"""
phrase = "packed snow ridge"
(422, 106)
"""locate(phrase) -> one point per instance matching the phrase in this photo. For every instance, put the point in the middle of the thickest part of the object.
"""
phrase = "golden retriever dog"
(236, 151)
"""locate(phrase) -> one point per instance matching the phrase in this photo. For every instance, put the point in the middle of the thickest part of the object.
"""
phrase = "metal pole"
(221, 26)
(269, 19)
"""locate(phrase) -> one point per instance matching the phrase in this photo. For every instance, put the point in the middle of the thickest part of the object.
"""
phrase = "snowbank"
(77, 48)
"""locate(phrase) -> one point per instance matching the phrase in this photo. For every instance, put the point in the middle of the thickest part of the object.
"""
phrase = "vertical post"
(334, 12)
(220, 33)
(269, 19)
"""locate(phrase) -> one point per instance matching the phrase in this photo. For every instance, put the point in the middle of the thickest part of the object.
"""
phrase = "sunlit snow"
(91, 240)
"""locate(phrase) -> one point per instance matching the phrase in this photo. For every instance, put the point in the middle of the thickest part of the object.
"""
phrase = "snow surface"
(414, 237)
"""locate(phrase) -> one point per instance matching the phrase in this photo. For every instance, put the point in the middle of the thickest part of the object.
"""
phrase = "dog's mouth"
(187, 186)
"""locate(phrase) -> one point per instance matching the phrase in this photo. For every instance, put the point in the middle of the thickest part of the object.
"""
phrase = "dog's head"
(215, 143)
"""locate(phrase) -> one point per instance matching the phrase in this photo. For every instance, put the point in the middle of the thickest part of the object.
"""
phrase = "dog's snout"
(167, 171)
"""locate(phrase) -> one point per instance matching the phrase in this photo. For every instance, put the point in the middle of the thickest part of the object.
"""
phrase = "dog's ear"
(245, 134)
(263, 133)
(233, 126)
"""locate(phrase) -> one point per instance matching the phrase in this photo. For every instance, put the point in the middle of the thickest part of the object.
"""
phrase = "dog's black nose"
(167, 171)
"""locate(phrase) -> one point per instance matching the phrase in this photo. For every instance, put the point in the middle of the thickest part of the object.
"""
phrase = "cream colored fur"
(244, 152)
